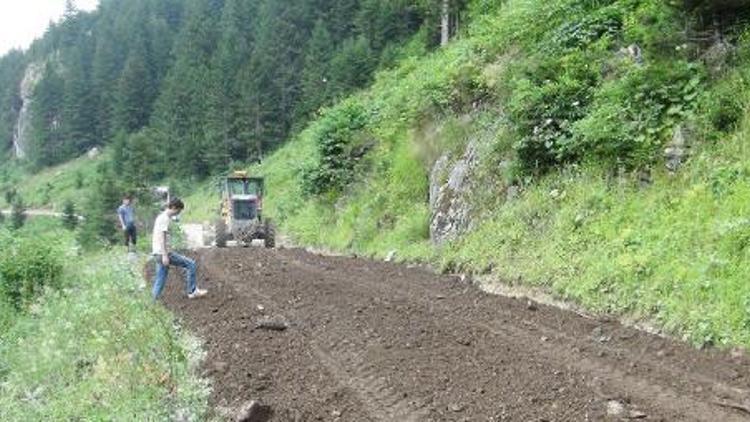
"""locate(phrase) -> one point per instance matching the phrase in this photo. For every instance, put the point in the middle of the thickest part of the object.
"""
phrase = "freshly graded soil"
(342, 339)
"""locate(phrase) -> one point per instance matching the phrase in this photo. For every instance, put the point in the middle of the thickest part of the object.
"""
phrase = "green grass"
(99, 349)
(52, 187)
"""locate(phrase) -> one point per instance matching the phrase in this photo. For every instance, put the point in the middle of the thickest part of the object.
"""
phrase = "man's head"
(175, 206)
(127, 199)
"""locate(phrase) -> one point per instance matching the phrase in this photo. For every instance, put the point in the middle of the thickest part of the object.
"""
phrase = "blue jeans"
(162, 271)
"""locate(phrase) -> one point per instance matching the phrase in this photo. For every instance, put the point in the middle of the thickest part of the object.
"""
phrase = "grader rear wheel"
(221, 234)
(270, 240)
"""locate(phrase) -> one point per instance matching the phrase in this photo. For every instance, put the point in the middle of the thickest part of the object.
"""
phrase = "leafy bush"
(27, 267)
(341, 144)
(633, 115)
(579, 33)
(547, 99)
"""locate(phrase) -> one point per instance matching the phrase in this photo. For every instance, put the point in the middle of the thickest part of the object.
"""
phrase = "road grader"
(241, 212)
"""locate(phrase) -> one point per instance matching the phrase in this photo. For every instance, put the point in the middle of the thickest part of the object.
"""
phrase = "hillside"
(593, 149)
(590, 152)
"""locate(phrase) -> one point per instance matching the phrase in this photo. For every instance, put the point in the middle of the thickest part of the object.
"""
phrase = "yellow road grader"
(241, 212)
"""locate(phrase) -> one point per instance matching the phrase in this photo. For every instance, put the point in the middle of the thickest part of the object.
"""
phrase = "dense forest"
(203, 82)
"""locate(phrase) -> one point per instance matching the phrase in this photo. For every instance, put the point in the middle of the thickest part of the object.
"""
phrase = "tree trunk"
(445, 23)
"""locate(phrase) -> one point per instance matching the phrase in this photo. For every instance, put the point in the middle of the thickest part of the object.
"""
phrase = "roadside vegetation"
(80, 339)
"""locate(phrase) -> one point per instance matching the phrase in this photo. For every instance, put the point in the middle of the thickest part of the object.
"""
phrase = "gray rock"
(22, 130)
(94, 153)
(615, 408)
(635, 414)
(717, 55)
(512, 192)
(253, 411)
(632, 52)
(455, 407)
(676, 151)
(436, 178)
(449, 201)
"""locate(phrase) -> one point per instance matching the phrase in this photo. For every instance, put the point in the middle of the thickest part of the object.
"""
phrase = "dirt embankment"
(372, 341)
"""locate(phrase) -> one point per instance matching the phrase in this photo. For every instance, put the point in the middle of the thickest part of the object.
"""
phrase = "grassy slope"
(97, 350)
(674, 252)
(51, 187)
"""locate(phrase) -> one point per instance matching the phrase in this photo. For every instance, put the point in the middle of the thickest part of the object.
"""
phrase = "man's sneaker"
(197, 293)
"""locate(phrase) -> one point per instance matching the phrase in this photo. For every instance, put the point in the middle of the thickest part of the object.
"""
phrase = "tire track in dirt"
(376, 341)
(352, 372)
(607, 374)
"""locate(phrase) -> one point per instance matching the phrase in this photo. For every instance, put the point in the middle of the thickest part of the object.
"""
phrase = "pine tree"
(46, 110)
(77, 123)
(316, 75)
(352, 66)
(225, 126)
(181, 108)
(272, 90)
(100, 223)
(18, 213)
(134, 90)
(69, 217)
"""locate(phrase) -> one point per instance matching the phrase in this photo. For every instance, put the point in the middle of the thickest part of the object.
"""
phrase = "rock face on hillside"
(450, 188)
(22, 132)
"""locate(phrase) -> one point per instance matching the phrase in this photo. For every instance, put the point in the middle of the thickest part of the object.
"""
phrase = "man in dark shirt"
(126, 215)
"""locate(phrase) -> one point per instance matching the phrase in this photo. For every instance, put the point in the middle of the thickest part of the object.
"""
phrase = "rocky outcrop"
(22, 132)
(450, 188)
(677, 150)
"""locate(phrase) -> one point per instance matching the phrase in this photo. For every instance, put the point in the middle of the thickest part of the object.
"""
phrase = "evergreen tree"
(316, 74)
(226, 129)
(78, 107)
(181, 108)
(46, 146)
(134, 90)
(216, 81)
(352, 66)
(100, 223)
(142, 161)
(272, 87)
(18, 213)
(69, 217)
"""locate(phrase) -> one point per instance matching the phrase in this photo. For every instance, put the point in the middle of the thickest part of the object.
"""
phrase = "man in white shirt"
(164, 257)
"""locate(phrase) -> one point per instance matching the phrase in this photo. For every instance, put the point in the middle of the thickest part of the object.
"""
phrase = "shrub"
(632, 116)
(27, 266)
(341, 144)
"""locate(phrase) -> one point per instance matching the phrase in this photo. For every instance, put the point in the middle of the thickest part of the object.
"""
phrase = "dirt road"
(372, 341)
